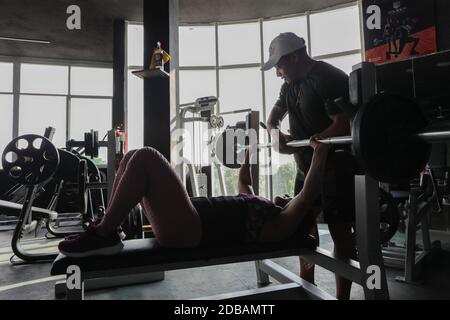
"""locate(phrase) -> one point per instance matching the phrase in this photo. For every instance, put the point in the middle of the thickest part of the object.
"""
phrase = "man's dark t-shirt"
(310, 103)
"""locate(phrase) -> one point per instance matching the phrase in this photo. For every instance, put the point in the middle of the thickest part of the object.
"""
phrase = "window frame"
(18, 61)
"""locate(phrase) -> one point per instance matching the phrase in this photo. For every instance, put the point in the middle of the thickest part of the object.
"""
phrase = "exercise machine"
(197, 178)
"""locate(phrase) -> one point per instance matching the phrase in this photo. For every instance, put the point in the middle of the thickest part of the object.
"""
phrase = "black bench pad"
(148, 252)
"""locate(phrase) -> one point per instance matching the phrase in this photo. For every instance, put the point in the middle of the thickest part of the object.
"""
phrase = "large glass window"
(6, 77)
(45, 98)
(44, 79)
(135, 50)
(36, 113)
(196, 84)
(284, 169)
(345, 63)
(6, 120)
(334, 38)
(87, 114)
(240, 89)
(135, 112)
(335, 31)
(273, 28)
(239, 44)
(91, 81)
(197, 46)
(135, 90)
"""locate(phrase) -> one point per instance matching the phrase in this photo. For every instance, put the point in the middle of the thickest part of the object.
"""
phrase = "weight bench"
(13, 209)
(144, 260)
(24, 213)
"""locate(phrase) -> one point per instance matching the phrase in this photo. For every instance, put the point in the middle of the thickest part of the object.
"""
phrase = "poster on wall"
(397, 30)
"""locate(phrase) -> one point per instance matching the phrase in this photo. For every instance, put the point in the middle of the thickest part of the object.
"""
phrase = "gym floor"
(33, 281)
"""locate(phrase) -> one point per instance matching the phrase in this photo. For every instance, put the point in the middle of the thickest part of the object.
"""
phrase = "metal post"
(368, 237)
(261, 276)
(253, 124)
(111, 166)
(410, 259)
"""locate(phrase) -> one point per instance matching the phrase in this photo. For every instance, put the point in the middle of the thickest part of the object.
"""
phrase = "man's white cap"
(282, 45)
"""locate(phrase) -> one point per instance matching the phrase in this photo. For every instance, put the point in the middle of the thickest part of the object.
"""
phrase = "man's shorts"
(338, 190)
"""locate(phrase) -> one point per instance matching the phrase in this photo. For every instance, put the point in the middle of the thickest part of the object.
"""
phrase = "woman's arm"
(245, 177)
(313, 182)
(285, 224)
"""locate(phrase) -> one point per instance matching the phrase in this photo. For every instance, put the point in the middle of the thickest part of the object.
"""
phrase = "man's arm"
(330, 88)
(339, 127)
(279, 139)
(276, 115)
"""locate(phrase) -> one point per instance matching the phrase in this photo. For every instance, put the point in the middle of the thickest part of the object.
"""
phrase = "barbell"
(388, 138)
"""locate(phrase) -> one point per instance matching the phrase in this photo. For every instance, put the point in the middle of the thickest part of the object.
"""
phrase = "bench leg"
(88, 284)
(261, 276)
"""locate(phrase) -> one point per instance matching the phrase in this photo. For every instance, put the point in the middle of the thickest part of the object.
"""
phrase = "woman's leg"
(148, 176)
(119, 173)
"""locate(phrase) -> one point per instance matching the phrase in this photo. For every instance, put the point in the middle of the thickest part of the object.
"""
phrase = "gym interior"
(83, 82)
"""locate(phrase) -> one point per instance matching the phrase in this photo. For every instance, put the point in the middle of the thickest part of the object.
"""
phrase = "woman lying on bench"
(145, 176)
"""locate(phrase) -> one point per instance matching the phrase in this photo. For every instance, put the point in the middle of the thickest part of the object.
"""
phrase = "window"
(44, 79)
(135, 94)
(239, 44)
(6, 77)
(196, 84)
(45, 97)
(135, 50)
(273, 86)
(240, 89)
(197, 46)
(39, 112)
(87, 114)
(345, 63)
(284, 169)
(335, 31)
(6, 121)
(91, 81)
(135, 110)
(273, 28)
(334, 38)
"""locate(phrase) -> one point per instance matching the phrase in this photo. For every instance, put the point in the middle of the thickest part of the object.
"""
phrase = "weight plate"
(220, 122)
(213, 121)
(30, 159)
(384, 138)
(230, 147)
(389, 216)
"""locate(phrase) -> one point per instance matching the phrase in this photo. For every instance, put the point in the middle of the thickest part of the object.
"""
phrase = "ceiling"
(46, 20)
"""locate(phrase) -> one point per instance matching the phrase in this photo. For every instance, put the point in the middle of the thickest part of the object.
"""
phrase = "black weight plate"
(389, 216)
(132, 225)
(230, 147)
(384, 138)
(30, 159)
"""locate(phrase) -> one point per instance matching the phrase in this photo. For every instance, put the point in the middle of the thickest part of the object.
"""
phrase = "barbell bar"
(390, 137)
(428, 136)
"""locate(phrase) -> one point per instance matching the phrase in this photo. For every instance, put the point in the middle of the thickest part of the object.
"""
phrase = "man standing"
(307, 96)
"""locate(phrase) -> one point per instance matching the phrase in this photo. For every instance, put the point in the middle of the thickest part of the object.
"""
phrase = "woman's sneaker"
(90, 243)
